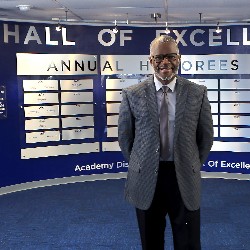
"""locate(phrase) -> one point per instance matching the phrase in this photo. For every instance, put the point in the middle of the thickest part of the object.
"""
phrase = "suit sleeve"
(126, 127)
(205, 131)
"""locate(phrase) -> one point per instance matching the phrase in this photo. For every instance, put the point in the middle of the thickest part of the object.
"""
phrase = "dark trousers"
(167, 201)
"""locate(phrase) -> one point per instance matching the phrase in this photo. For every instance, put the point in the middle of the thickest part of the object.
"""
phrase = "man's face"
(165, 60)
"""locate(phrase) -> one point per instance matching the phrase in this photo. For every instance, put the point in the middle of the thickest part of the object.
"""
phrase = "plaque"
(3, 103)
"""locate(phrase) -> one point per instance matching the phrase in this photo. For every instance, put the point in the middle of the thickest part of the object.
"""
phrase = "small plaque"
(3, 103)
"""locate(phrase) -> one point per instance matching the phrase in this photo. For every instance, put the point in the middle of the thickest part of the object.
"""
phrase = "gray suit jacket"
(138, 135)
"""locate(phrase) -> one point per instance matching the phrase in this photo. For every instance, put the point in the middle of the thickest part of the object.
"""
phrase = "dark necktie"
(164, 125)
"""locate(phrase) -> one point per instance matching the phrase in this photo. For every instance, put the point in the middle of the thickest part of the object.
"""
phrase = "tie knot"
(164, 89)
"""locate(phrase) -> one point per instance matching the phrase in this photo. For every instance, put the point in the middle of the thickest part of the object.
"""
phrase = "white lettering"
(242, 164)
(47, 37)
(186, 65)
(32, 35)
(144, 65)
(159, 33)
(192, 37)
(211, 64)
(124, 38)
(123, 164)
(212, 164)
(223, 64)
(229, 38)
(8, 33)
(64, 37)
(117, 66)
(94, 166)
(112, 37)
(213, 37)
(179, 37)
(245, 41)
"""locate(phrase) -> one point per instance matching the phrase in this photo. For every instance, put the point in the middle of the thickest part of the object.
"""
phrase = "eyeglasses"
(161, 57)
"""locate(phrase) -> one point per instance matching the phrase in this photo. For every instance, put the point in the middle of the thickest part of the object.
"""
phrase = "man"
(165, 132)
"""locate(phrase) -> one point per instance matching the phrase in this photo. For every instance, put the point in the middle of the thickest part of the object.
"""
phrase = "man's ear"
(179, 58)
(150, 60)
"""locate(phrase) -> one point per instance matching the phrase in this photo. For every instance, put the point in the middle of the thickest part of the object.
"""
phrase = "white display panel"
(56, 64)
(209, 83)
(125, 64)
(111, 146)
(235, 132)
(231, 146)
(76, 97)
(77, 121)
(214, 108)
(40, 85)
(113, 96)
(213, 64)
(235, 84)
(72, 134)
(237, 108)
(37, 124)
(235, 96)
(212, 96)
(235, 120)
(81, 84)
(39, 111)
(216, 131)
(112, 132)
(120, 83)
(72, 118)
(113, 107)
(215, 120)
(39, 98)
(45, 136)
(77, 109)
(112, 120)
(81, 148)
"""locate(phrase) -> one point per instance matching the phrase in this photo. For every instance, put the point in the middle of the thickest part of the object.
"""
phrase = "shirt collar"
(171, 85)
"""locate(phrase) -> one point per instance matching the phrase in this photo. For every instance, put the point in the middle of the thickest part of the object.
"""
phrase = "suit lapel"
(181, 97)
(152, 104)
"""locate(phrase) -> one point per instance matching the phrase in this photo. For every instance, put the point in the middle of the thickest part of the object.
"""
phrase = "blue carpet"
(94, 216)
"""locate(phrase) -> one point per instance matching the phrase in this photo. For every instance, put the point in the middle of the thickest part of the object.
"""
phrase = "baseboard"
(95, 177)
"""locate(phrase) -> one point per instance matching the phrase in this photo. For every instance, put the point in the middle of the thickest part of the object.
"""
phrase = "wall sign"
(64, 93)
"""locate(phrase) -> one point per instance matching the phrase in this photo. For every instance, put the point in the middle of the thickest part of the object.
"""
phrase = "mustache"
(173, 67)
(158, 68)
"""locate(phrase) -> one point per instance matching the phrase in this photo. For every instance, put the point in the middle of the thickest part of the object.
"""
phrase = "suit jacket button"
(156, 170)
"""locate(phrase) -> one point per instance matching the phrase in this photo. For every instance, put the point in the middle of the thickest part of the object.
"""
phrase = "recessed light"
(24, 7)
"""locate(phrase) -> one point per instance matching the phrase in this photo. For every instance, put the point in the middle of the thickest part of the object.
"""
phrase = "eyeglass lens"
(161, 57)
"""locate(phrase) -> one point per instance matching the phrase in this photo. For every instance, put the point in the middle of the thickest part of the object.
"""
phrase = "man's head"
(164, 58)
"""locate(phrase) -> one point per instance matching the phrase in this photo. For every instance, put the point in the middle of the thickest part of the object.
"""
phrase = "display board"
(60, 94)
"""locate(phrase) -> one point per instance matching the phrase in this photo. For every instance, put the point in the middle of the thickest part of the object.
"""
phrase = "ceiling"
(176, 12)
